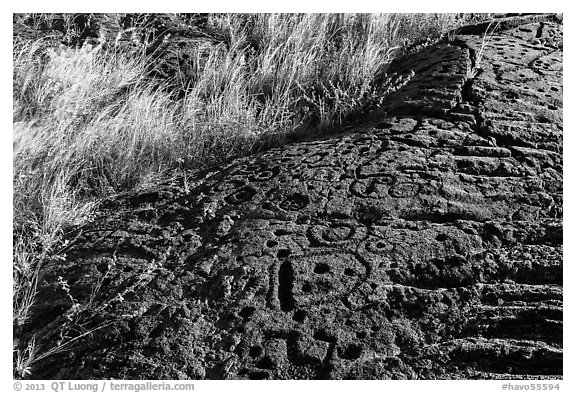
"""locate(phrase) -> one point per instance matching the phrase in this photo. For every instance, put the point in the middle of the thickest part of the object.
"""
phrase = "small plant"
(25, 359)
(492, 27)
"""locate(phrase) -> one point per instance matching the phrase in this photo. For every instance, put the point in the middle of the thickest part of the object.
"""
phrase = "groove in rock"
(540, 28)
(285, 286)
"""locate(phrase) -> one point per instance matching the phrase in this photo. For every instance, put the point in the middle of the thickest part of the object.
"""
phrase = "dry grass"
(88, 123)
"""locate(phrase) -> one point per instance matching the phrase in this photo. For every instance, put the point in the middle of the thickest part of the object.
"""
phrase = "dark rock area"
(424, 243)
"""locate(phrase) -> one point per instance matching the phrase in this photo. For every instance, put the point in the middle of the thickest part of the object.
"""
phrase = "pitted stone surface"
(426, 243)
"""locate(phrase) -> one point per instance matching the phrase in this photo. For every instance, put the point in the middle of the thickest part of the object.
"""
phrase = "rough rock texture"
(425, 243)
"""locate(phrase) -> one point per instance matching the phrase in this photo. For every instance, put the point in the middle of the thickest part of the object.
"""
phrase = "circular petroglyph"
(242, 195)
(379, 245)
(264, 174)
(320, 277)
(336, 233)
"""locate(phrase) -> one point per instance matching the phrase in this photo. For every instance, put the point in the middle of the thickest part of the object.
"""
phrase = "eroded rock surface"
(426, 243)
